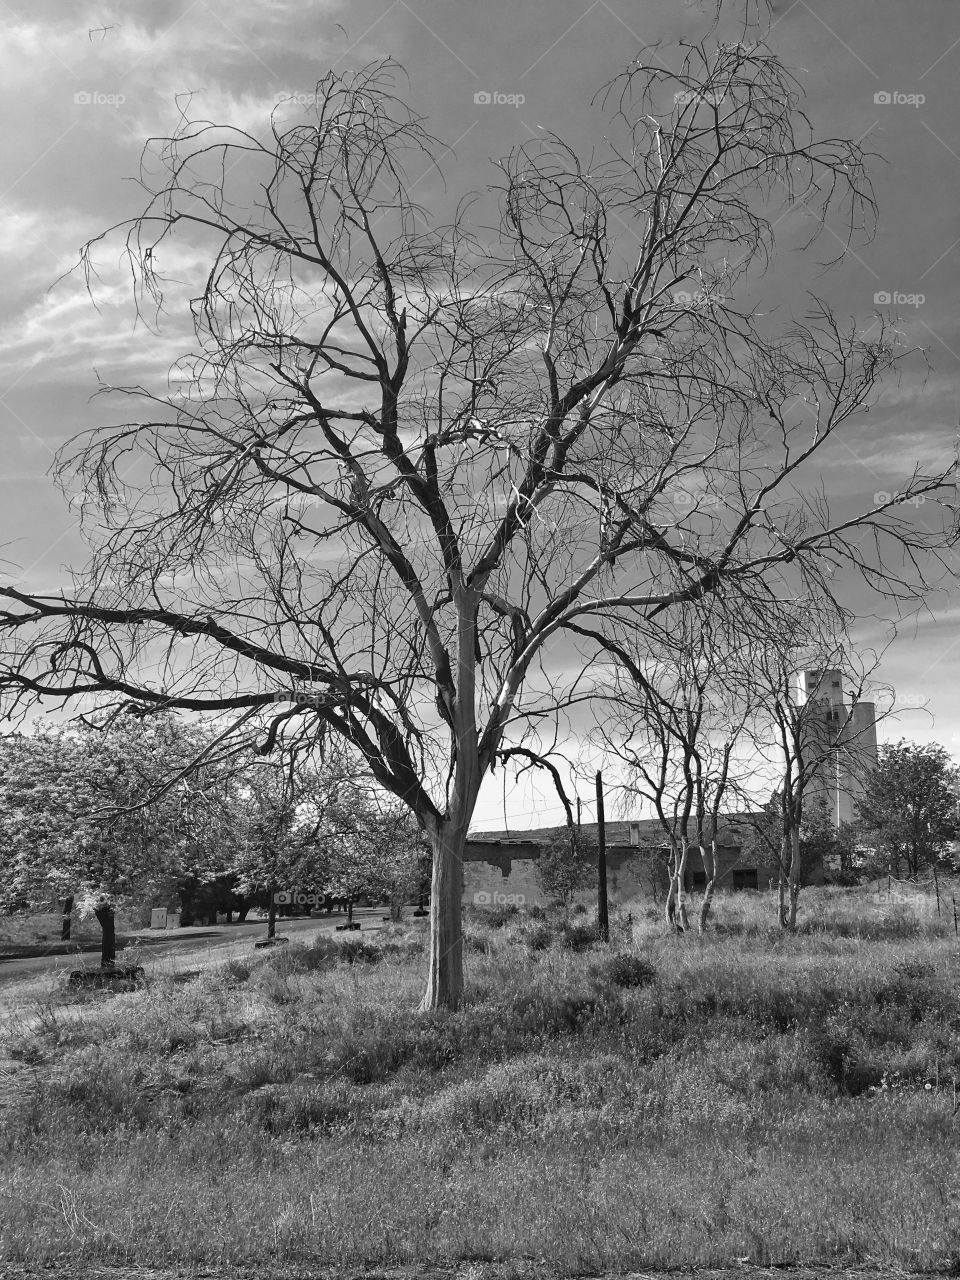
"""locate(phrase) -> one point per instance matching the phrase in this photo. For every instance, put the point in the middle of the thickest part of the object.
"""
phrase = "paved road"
(178, 944)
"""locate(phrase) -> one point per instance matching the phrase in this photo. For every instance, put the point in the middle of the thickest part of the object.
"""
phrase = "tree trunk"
(789, 887)
(794, 879)
(603, 908)
(272, 911)
(65, 922)
(445, 975)
(709, 855)
(682, 922)
(106, 918)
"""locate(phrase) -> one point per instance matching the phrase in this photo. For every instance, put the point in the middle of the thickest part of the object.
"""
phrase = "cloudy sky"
(83, 85)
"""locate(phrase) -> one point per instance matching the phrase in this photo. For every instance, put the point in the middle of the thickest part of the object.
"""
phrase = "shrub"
(578, 937)
(497, 916)
(359, 950)
(623, 970)
(539, 937)
(237, 971)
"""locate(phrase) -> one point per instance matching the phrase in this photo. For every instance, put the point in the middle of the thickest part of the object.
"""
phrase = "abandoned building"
(503, 867)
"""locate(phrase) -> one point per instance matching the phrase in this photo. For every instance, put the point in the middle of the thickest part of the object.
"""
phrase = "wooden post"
(603, 915)
(272, 911)
(65, 919)
(936, 885)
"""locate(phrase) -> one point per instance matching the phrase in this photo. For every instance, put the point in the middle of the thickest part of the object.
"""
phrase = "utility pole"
(603, 916)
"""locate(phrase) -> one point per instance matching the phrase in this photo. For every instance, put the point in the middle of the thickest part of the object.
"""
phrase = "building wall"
(503, 871)
(837, 783)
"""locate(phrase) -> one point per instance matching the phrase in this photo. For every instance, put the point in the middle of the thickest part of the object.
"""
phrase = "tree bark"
(709, 855)
(682, 922)
(445, 975)
(789, 886)
(603, 907)
(106, 918)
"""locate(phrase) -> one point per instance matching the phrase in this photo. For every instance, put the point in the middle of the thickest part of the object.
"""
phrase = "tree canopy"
(411, 457)
(909, 810)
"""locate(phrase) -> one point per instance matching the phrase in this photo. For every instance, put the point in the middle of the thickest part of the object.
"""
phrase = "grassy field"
(662, 1102)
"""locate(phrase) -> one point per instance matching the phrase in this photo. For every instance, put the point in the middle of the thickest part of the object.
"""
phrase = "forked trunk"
(445, 975)
(709, 855)
(670, 906)
(106, 919)
(789, 885)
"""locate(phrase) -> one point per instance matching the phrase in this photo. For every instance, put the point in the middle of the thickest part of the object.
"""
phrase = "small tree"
(677, 706)
(91, 811)
(567, 865)
(908, 812)
(799, 739)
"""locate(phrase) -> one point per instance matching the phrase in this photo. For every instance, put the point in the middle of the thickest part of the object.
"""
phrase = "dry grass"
(680, 1103)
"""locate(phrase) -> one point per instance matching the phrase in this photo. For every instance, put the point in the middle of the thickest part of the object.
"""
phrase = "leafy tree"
(407, 456)
(567, 864)
(375, 849)
(908, 812)
(100, 813)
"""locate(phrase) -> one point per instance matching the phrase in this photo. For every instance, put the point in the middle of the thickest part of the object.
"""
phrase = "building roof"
(617, 832)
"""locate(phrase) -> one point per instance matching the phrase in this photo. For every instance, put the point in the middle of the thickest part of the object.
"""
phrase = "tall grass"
(663, 1102)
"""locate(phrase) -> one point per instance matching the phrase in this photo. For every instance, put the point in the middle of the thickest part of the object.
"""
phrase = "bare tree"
(675, 708)
(405, 457)
(813, 742)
